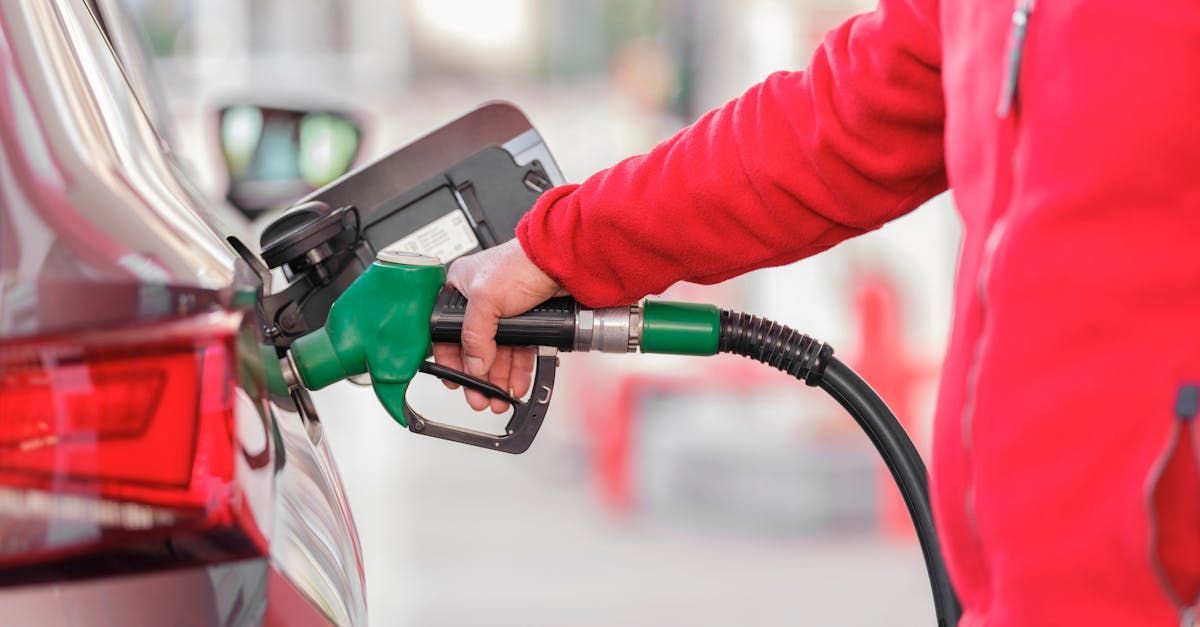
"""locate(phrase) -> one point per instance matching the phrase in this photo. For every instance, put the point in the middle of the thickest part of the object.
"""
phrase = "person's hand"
(498, 282)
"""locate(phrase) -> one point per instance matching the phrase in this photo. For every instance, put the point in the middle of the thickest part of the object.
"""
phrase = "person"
(1064, 475)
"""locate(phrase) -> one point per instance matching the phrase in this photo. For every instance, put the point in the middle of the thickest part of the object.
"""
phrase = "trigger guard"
(522, 427)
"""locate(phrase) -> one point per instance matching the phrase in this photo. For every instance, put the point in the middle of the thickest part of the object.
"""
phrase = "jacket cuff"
(553, 254)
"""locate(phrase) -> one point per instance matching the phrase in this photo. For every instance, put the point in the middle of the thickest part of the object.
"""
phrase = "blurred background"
(662, 490)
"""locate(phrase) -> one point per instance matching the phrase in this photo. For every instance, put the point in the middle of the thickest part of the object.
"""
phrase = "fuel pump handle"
(551, 323)
(383, 324)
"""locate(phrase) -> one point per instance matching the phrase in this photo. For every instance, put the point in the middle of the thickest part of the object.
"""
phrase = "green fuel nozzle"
(384, 323)
(378, 326)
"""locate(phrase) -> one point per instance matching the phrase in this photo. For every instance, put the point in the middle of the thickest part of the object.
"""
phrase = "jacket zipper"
(1012, 58)
(994, 239)
(1005, 105)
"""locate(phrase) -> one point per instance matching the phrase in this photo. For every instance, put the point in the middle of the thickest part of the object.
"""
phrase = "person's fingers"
(479, 333)
(459, 274)
(450, 356)
(476, 400)
(498, 281)
(479, 342)
(521, 373)
(499, 376)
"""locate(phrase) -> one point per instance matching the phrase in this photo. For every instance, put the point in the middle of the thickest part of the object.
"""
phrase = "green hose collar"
(680, 328)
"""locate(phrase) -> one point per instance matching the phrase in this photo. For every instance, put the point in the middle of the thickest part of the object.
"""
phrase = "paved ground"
(454, 536)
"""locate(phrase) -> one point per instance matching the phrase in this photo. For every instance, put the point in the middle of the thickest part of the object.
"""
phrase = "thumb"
(479, 334)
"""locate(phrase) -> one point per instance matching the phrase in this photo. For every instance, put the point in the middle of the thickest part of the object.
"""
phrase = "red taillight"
(102, 434)
(44, 406)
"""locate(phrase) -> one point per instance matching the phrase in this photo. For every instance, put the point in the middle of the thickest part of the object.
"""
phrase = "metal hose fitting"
(609, 330)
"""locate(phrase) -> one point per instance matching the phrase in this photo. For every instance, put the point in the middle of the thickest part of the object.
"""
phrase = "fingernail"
(475, 366)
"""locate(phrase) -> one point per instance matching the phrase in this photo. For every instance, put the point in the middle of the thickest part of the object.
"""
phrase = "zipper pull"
(1187, 402)
(1012, 64)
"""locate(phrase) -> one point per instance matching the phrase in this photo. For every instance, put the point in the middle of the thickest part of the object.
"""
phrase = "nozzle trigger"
(526, 418)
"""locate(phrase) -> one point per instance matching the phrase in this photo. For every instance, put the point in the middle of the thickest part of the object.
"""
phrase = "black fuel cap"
(303, 228)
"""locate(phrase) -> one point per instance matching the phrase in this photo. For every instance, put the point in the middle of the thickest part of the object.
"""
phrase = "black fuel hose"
(812, 361)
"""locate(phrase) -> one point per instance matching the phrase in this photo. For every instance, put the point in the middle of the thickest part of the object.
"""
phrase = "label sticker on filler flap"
(447, 238)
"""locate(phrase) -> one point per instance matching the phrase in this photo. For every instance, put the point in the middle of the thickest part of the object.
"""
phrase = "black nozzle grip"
(551, 323)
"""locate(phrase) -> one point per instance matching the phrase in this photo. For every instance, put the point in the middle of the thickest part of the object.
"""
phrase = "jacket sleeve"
(795, 165)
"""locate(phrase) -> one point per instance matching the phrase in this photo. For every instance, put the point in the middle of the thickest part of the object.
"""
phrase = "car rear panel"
(97, 229)
(146, 476)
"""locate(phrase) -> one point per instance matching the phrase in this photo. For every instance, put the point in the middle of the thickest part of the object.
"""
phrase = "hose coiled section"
(774, 344)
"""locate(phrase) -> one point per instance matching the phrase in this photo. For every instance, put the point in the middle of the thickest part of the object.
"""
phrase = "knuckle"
(464, 277)
(472, 338)
(484, 293)
(457, 274)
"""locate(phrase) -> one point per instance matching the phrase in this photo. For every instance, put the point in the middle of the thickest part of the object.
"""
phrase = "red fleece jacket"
(1064, 473)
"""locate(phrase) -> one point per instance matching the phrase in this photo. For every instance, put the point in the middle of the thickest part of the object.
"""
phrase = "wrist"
(533, 244)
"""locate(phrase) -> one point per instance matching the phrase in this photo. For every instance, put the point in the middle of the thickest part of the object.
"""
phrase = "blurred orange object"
(897, 375)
